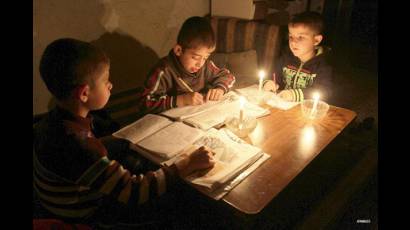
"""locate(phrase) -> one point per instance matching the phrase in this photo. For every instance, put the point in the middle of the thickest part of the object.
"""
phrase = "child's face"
(101, 90)
(302, 41)
(193, 59)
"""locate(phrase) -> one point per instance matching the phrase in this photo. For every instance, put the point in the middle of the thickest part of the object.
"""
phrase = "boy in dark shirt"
(76, 176)
(303, 67)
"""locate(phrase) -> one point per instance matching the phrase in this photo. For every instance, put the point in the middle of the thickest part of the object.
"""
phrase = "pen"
(185, 84)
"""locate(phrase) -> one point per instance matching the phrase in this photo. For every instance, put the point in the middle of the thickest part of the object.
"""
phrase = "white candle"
(242, 103)
(315, 102)
(261, 76)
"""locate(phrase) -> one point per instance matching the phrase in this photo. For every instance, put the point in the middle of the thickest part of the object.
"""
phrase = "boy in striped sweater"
(303, 67)
(186, 76)
(77, 176)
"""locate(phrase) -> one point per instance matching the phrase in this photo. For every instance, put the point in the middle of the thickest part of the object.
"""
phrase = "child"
(76, 176)
(303, 70)
(186, 76)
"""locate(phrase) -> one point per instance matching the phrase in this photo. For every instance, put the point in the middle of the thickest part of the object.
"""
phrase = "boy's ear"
(177, 50)
(318, 38)
(82, 92)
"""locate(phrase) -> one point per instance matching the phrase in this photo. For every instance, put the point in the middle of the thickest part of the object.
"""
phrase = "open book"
(253, 95)
(231, 154)
(158, 138)
(163, 142)
(213, 113)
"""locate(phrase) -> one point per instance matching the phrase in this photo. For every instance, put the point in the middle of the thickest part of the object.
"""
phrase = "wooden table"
(292, 142)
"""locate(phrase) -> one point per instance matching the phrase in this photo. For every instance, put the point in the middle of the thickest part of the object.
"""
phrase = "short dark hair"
(311, 19)
(67, 63)
(196, 31)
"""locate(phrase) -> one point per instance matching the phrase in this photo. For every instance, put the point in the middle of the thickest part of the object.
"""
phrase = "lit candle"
(261, 76)
(315, 102)
(242, 103)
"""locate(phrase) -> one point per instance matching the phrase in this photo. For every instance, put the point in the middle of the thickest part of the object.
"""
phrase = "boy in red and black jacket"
(186, 76)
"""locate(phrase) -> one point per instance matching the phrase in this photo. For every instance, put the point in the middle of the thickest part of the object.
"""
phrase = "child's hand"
(194, 98)
(214, 94)
(270, 85)
(286, 95)
(201, 158)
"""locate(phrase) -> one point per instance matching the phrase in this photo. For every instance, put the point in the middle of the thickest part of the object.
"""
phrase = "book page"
(142, 128)
(253, 94)
(217, 115)
(171, 140)
(222, 190)
(277, 102)
(193, 110)
(231, 156)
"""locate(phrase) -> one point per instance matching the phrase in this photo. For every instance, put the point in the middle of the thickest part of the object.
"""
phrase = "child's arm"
(218, 78)
(322, 84)
(275, 83)
(192, 98)
(154, 98)
(110, 178)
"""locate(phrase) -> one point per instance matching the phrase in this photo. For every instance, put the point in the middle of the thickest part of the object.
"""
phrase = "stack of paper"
(253, 95)
(212, 114)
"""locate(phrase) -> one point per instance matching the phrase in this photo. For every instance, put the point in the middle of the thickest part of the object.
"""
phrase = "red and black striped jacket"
(162, 85)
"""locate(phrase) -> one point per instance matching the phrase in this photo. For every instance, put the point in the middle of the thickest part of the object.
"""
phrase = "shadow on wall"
(130, 60)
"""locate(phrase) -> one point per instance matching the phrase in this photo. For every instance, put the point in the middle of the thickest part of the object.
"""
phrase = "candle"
(315, 102)
(242, 103)
(274, 82)
(261, 76)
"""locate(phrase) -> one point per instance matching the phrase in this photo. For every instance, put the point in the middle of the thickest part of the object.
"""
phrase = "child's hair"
(311, 19)
(67, 63)
(196, 31)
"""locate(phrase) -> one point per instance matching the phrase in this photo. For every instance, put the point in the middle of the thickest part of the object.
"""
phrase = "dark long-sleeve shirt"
(303, 78)
(73, 171)
(163, 84)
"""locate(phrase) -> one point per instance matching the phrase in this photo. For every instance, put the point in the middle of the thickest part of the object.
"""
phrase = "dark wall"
(351, 30)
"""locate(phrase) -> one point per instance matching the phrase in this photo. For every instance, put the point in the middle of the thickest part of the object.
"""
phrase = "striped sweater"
(163, 83)
(73, 171)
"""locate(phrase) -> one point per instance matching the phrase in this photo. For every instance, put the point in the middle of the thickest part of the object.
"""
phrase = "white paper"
(142, 128)
(253, 95)
(185, 112)
(217, 114)
(231, 156)
(171, 140)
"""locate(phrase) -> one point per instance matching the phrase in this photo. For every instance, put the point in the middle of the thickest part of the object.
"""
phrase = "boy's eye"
(198, 58)
(297, 38)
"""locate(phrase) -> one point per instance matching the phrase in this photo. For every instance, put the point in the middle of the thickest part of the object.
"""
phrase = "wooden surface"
(292, 142)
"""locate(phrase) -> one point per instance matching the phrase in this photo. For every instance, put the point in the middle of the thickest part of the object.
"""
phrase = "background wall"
(134, 33)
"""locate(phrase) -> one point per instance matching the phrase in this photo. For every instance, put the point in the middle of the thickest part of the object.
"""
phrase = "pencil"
(185, 84)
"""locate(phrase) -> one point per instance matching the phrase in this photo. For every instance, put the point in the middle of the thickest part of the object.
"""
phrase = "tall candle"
(261, 76)
(242, 103)
(315, 102)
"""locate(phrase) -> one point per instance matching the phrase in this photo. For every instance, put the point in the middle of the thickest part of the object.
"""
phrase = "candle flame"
(316, 96)
(242, 101)
(261, 74)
